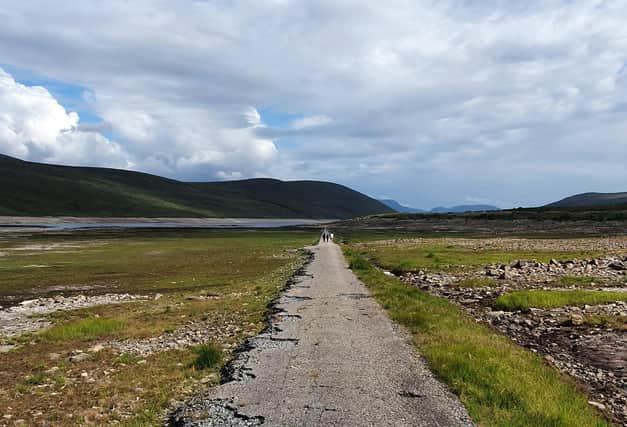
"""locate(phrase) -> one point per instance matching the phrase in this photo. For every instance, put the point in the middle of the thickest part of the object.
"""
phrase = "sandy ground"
(332, 357)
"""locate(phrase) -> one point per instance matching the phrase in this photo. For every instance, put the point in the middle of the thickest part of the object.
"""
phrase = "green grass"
(523, 300)
(578, 280)
(36, 379)
(83, 330)
(435, 257)
(143, 260)
(600, 321)
(36, 189)
(498, 382)
(207, 356)
(242, 270)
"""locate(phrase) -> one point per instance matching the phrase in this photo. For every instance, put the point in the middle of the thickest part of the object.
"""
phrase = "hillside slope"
(591, 199)
(37, 189)
(393, 204)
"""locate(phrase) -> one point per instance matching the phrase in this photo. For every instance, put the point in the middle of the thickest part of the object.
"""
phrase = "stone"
(597, 405)
(97, 348)
(80, 357)
(6, 348)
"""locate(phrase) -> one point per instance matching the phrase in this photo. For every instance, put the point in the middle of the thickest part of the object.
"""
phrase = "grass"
(438, 257)
(142, 260)
(524, 300)
(207, 356)
(83, 330)
(608, 322)
(578, 280)
(498, 382)
(243, 270)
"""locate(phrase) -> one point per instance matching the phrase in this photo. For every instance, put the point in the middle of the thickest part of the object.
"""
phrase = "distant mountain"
(465, 208)
(591, 199)
(37, 189)
(400, 208)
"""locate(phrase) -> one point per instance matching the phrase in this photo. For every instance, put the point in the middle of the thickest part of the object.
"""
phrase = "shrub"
(207, 356)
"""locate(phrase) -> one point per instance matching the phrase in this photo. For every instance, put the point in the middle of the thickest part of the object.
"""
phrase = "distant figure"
(331, 236)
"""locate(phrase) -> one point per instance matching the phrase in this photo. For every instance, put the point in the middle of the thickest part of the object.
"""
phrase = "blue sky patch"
(69, 95)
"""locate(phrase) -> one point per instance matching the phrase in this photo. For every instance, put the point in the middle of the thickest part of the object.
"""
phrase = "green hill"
(36, 189)
(591, 200)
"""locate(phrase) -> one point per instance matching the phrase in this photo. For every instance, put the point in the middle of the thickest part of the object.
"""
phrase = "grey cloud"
(430, 102)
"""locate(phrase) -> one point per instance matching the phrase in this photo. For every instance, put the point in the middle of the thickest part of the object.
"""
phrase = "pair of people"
(327, 236)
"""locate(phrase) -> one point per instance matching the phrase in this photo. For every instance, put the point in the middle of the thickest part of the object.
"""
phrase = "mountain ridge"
(591, 199)
(39, 189)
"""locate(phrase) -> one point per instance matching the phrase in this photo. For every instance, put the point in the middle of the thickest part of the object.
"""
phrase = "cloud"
(35, 126)
(425, 101)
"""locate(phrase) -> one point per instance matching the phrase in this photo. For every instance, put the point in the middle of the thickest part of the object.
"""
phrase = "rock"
(506, 274)
(6, 348)
(158, 296)
(97, 348)
(80, 357)
(617, 265)
(53, 356)
(599, 406)
(493, 272)
(52, 370)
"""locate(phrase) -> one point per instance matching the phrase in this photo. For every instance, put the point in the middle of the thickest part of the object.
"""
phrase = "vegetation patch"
(224, 279)
(608, 322)
(207, 356)
(524, 300)
(578, 280)
(438, 257)
(499, 383)
(82, 330)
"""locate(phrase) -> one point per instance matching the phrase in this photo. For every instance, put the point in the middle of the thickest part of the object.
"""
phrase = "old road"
(331, 358)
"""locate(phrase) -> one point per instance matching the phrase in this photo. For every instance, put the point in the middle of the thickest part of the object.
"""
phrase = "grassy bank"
(499, 383)
(523, 300)
(437, 257)
(220, 279)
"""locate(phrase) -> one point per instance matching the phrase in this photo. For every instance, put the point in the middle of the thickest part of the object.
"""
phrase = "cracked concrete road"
(330, 358)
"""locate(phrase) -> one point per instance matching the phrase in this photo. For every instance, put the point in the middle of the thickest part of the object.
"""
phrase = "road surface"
(331, 358)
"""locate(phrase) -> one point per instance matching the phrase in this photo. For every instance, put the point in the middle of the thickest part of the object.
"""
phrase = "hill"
(393, 204)
(37, 189)
(591, 200)
(464, 208)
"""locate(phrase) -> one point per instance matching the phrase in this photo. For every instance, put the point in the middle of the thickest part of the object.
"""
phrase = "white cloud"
(34, 125)
(311, 121)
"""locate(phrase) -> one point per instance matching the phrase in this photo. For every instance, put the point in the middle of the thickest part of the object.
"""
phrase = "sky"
(426, 102)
